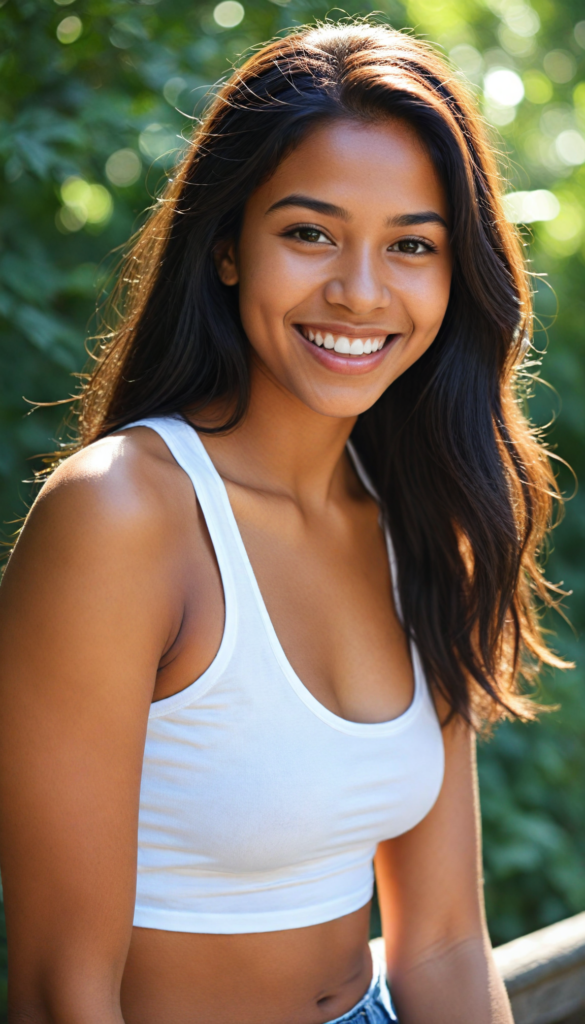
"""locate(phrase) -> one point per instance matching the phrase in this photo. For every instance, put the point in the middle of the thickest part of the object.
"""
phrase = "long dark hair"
(465, 484)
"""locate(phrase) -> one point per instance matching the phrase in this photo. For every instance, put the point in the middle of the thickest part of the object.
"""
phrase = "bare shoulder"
(131, 475)
(105, 542)
(97, 573)
(124, 489)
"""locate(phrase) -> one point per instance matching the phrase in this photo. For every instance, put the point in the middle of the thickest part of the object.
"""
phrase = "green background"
(85, 79)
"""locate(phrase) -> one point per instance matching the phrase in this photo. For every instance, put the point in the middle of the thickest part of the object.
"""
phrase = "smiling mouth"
(343, 345)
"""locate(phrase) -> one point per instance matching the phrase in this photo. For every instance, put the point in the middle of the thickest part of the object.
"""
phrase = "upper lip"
(365, 331)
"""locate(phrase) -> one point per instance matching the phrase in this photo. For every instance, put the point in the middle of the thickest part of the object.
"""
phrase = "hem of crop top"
(247, 923)
(204, 683)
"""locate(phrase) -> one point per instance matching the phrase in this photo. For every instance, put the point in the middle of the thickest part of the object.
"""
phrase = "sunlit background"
(97, 99)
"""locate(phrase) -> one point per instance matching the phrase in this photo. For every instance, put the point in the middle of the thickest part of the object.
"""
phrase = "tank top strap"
(188, 450)
(365, 480)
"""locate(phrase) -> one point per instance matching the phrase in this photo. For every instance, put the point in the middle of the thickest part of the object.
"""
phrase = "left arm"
(440, 964)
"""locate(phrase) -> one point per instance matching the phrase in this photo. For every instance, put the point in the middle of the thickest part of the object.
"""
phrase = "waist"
(299, 976)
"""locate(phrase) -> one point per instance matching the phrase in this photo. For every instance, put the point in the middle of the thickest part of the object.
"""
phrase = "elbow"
(441, 952)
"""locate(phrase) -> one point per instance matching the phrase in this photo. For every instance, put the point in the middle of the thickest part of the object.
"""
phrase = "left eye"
(409, 246)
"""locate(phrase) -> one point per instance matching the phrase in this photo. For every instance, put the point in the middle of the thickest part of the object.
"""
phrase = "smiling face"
(343, 264)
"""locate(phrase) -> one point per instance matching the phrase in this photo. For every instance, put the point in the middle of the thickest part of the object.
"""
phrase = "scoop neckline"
(329, 717)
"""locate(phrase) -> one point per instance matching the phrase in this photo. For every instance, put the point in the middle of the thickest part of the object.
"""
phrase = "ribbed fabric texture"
(261, 810)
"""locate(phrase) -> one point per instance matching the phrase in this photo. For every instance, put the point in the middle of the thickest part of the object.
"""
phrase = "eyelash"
(429, 246)
(293, 233)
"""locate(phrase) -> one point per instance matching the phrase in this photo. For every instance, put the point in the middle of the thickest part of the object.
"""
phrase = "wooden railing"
(544, 973)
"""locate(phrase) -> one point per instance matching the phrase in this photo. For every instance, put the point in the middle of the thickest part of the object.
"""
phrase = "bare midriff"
(299, 976)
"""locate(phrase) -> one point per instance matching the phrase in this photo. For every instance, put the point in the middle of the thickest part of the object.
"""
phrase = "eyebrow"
(318, 205)
(403, 220)
(406, 220)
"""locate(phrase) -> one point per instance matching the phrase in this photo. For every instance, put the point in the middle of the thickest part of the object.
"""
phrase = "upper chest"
(325, 582)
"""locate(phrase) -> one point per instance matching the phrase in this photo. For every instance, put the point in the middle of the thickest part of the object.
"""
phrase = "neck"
(282, 445)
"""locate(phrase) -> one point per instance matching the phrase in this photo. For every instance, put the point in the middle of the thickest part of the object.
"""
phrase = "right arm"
(86, 610)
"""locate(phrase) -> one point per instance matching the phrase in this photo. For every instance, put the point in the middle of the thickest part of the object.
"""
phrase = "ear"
(224, 256)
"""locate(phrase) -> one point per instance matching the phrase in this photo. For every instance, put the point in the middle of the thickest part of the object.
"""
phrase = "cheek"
(258, 274)
(273, 281)
(426, 299)
(258, 290)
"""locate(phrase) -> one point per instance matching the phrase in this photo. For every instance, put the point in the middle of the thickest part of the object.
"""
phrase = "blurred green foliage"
(97, 98)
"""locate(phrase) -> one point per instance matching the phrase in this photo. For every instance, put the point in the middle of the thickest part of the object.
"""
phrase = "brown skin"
(113, 598)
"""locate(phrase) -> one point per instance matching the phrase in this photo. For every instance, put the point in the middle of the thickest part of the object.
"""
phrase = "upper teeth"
(343, 345)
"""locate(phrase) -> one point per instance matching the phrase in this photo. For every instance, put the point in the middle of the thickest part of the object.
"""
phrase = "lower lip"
(355, 365)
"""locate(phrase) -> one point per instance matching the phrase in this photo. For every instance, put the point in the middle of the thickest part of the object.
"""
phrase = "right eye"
(309, 234)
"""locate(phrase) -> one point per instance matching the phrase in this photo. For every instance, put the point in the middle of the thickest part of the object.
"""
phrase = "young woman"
(252, 623)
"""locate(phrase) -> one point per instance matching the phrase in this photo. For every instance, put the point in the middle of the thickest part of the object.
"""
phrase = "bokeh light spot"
(521, 19)
(579, 96)
(157, 140)
(69, 30)
(229, 13)
(570, 146)
(84, 203)
(519, 46)
(563, 235)
(123, 167)
(579, 33)
(468, 59)
(556, 118)
(69, 220)
(173, 89)
(560, 66)
(527, 207)
(537, 87)
(504, 87)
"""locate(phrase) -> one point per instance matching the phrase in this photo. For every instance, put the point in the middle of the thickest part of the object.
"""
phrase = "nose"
(359, 283)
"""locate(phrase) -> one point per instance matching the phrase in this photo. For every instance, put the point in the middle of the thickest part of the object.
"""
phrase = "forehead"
(363, 167)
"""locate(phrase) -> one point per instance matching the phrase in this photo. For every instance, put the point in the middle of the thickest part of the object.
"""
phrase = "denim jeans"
(376, 1006)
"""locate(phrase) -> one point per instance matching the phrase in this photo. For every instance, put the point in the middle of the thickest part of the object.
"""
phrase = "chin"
(338, 406)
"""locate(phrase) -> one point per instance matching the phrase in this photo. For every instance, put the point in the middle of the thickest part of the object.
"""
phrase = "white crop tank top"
(260, 809)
